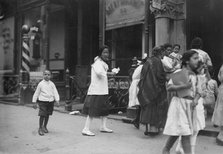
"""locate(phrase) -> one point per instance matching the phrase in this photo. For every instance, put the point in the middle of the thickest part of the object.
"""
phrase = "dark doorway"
(125, 43)
(205, 20)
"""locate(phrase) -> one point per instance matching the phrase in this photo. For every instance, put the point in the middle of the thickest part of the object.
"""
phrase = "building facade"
(160, 22)
(67, 33)
(63, 35)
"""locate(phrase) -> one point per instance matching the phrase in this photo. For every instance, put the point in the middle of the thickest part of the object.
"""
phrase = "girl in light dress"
(198, 114)
(217, 118)
(180, 120)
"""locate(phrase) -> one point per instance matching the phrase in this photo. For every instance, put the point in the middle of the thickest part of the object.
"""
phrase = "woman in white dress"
(133, 92)
(95, 102)
(217, 118)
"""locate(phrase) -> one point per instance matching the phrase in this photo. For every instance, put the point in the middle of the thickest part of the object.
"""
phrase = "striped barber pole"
(25, 55)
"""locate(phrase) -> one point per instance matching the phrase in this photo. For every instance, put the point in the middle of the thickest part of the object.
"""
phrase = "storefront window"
(7, 45)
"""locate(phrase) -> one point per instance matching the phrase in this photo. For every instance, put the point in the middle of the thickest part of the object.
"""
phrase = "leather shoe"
(87, 133)
(45, 130)
(40, 131)
(106, 130)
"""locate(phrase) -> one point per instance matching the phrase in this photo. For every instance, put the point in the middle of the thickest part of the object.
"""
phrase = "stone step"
(131, 113)
(209, 130)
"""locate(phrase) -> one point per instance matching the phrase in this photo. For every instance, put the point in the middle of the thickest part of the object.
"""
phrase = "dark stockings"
(43, 120)
(46, 121)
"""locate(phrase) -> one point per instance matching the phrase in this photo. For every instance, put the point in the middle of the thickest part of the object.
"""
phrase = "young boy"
(45, 95)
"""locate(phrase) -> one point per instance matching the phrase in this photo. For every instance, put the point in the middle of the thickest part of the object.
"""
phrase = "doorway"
(205, 20)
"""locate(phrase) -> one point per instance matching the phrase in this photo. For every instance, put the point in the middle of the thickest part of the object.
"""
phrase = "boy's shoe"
(87, 133)
(45, 130)
(106, 130)
(40, 132)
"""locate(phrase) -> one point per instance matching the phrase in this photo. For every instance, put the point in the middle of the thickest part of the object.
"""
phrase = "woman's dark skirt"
(155, 113)
(96, 105)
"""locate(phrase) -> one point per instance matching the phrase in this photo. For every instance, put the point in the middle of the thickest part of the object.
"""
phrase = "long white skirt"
(133, 91)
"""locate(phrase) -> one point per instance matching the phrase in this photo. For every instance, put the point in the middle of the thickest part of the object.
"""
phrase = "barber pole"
(25, 49)
(25, 56)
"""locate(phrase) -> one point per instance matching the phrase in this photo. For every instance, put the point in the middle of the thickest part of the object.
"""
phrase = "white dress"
(217, 118)
(181, 120)
(133, 89)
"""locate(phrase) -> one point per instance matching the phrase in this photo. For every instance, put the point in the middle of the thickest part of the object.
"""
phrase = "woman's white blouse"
(99, 79)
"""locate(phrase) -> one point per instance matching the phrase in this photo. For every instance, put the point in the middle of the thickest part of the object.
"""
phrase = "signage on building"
(121, 13)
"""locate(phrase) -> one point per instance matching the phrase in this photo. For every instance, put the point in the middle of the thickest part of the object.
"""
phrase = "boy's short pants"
(45, 108)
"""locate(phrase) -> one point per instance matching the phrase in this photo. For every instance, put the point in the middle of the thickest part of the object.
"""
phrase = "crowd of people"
(172, 92)
(175, 93)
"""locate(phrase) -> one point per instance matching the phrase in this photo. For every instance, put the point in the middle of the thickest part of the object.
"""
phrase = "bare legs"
(185, 144)
(193, 142)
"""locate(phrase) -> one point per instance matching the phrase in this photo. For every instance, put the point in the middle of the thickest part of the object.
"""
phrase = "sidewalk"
(78, 107)
(208, 131)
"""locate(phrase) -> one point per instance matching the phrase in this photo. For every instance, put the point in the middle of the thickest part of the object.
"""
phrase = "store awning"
(124, 13)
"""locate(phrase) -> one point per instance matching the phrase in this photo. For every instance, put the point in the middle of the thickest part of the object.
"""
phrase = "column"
(170, 22)
(79, 32)
(101, 22)
(162, 31)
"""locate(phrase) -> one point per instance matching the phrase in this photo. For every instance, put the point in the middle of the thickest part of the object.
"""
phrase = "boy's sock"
(41, 119)
(46, 118)
(40, 131)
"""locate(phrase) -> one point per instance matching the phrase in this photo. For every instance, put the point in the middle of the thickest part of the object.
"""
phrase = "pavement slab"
(19, 125)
